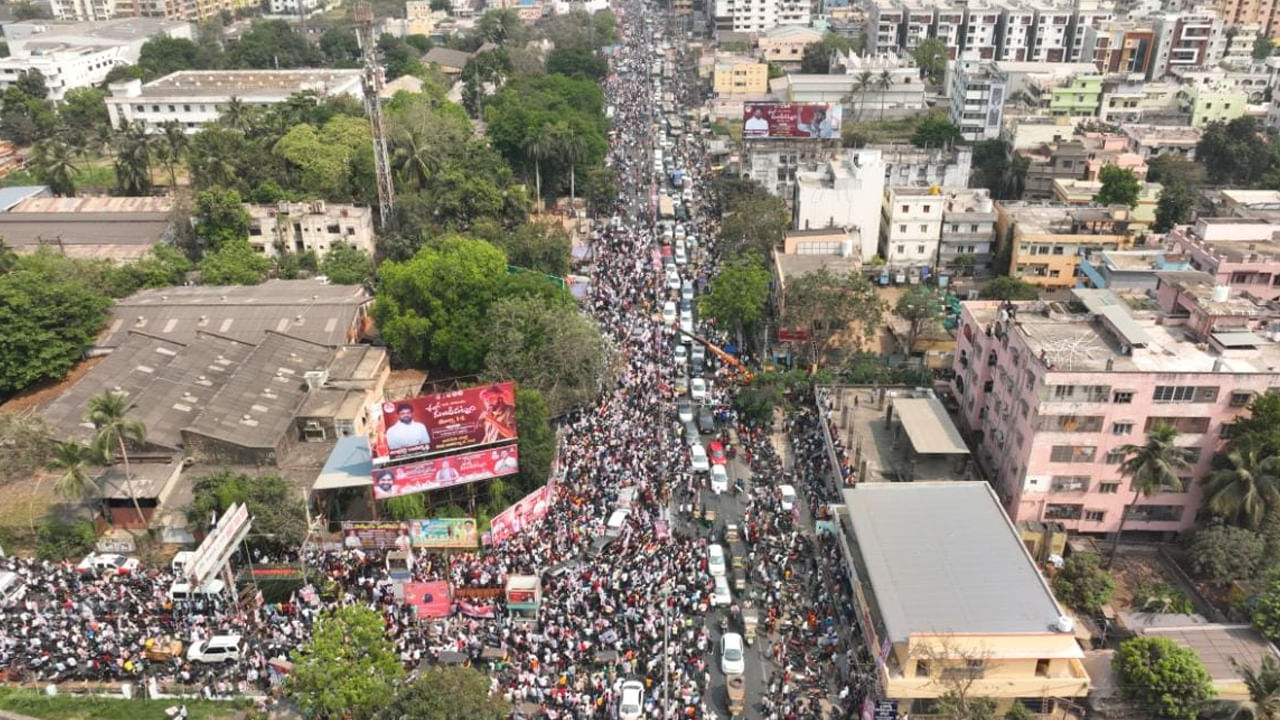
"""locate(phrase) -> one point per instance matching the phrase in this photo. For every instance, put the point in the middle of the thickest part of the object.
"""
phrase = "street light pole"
(666, 636)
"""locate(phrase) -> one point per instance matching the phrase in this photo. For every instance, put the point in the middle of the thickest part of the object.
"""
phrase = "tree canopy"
(825, 305)
(1168, 680)
(1119, 187)
(738, 295)
(279, 519)
(348, 666)
(444, 693)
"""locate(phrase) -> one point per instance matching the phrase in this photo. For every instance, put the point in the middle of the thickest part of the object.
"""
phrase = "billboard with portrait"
(444, 533)
(374, 534)
(442, 422)
(430, 599)
(523, 514)
(442, 472)
(764, 121)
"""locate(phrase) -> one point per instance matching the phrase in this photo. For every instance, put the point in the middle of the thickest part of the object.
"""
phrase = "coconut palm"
(1246, 491)
(540, 146)
(54, 163)
(133, 160)
(71, 460)
(1263, 685)
(108, 412)
(883, 83)
(573, 150)
(1151, 467)
(861, 85)
(236, 115)
(173, 147)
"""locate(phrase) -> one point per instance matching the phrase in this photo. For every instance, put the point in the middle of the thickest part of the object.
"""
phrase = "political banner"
(440, 533)
(764, 121)
(374, 534)
(442, 422)
(430, 599)
(443, 472)
(523, 514)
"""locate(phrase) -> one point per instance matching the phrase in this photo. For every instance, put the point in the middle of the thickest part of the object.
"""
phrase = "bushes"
(1083, 585)
(58, 540)
(1169, 681)
(1223, 554)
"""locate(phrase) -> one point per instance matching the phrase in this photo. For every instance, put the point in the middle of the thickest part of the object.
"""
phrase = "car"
(686, 321)
(698, 389)
(613, 527)
(182, 590)
(691, 434)
(108, 564)
(682, 354)
(706, 420)
(686, 291)
(681, 257)
(719, 479)
(219, 648)
(669, 312)
(732, 659)
(788, 494)
(715, 560)
(673, 280)
(716, 451)
(720, 595)
(680, 232)
(699, 354)
(684, 410)
(698, 458)
(631, 706)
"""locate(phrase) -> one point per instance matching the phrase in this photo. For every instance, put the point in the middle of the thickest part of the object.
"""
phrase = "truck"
(736, 686)
(666, 208)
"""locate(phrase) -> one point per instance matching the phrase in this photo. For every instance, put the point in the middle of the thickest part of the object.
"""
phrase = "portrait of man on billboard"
(819, 125)
(447, 474)
(407, 432)
(505, 463)
(499, 415)
(756, 124)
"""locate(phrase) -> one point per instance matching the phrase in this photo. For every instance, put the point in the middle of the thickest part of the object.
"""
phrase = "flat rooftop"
(942, 557)
(1162, 134)
(1219, 645)
(248, 84)
(920, 444)
(793, 266)
(110, 32)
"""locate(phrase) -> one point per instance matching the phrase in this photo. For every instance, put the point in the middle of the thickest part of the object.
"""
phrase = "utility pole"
(372, 85)
(666, 636)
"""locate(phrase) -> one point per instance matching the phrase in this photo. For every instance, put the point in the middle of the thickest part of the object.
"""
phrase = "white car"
(720, 596)
(684, 410)
(686, 291)
(715, 560)
(698, 458)
(788, 497)
(699, 354)
(631, 706)
(682, 258)
(673, 280)
(682, 354)
(732, 659)
(669, 312)
(217, 649)
(698, 389)
(108, 564)
(686, 321)
(719, 479)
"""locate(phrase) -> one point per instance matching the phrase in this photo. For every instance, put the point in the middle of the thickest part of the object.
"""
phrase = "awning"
(928, 427)
(349, 465)
(1239, 339)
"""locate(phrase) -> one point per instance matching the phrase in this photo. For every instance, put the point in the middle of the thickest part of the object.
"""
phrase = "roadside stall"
(524, 597)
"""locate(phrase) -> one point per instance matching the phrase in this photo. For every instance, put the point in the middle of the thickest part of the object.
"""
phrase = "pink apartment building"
(1050, 391)
(1238, 252)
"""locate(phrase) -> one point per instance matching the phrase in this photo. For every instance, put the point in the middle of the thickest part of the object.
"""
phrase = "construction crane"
(745, 376)
(371, 80)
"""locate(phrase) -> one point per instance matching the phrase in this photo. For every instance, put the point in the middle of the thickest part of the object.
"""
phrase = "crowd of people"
(636, 611)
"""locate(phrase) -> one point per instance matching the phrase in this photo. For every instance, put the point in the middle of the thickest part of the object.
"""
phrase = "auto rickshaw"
(750, 618)
(739, 579)
(161, 650)
(736, 686)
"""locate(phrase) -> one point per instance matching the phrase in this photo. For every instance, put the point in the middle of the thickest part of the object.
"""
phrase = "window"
(1090, 516)
(1122, 397)
(1057, 249)
(1072, 453)
(1241, 399)
(1192, 425)
(919, 249)
(1055, 511)
(1121, 428)
(926, 208)
(902, 249)
(906, 208)
(973, 228)
(1069, 483)
(186, 108)
(1071, 423)
(1156, 513)
(924, 228)
(1109, 488)
(1174, 393)
(922, 669)
(902, 228)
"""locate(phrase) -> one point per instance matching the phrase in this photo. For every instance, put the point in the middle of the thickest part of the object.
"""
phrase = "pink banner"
(437, 423)
(444, 472)
(431, 599)
(523, 514)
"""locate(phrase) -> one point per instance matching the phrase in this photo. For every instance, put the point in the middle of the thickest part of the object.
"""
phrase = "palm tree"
(538, 147)
(1246, 491)
(574, 150)
(860, 86)
(107, 412)
(174, 144)
(133, 160)
(72, 460)
(883, 83)
(1263, 685)
(54, 163)
(1151, 468)
(236, 115)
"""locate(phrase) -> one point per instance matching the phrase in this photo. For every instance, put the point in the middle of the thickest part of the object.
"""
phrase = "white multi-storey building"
(978, 91)
(981, 32)
(836, 197)
(1015, 32)
(195, 97)
(756, 16)
(1051, 38)
(910, 227)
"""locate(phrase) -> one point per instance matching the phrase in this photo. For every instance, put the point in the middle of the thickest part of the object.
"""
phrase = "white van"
(619, 518)
(12, 588)
(181, 561)
(183, 591)
(219, 648)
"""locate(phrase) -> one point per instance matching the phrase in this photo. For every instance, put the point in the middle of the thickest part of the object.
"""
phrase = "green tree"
(1119, 187)
(446, 693)
(816, 59)
(348, 666)
(1224, 554)
(1018, 711)
(1263, 47)
(279, 518)
(738, 296)
(536, 246)
(1170, 168)
(23, 10)
(220, 218)
(48, 322)
(340, 47)
(1008, 288)
(406, 507)
(114, 431)
(54, 165)
(26, 443)
(1176, 204)
(955, 706)
(935, 131)
(172, 148)
(1166, 679)
(326, 159)
(133, 160)
(235, 262)
(1150, 468)
(537, 444)
(272, 44)
(1264, 610)
(502, 27)
(600, 185)
(920, 305)
(752, 219)
(58, 540)
(1083, 584)
(1258, 432)
(1244, 491)
(577, 61)
(1235, 152)
(931, 57)
(824, 305)
(163, 55)
(346, 265)
(1263, 684)
(81, 111)
(551, 348)
(72, 460)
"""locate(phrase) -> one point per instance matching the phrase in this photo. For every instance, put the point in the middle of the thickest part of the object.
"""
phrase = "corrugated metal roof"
(349, 465)
(930, 430)
(1123, 323)
(1238, 339)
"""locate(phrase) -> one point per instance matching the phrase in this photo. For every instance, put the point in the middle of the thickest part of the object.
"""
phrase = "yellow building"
(739, 75)
(419, 19)
(1048, 240)
(949, 597)
(1081, 192)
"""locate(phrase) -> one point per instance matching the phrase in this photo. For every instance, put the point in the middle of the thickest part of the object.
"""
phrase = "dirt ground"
(24, 499)
(1135, 569)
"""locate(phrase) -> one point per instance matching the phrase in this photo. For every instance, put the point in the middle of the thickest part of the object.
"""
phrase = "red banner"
(788, 120)
(445, 421)
(431, 599)
(523, 514)
(444, 472)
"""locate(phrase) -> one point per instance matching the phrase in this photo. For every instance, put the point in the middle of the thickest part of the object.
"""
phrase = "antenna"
(371, 81)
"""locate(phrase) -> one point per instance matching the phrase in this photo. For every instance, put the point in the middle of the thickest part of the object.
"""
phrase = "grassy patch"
(68, 707)
(898, 130)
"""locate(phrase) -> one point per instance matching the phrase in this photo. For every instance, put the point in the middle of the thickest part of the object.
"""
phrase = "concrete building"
(296, 8)
(79, 54)
(1238, 252)
(1050, 396)
(786, 267)
(310, 227)
(1206, 103)
(1015, 32)
(1259, 16)
(1049, 240)
(1120, 46)
(1152, 140)
(1130, 270)
(739, 75)
(1079, 97)
(1051, 42)
(926, 594)
(120, 229)
(968, 233)
(1089, 13)
(895, 87)
(977, 100)
(907, 165)
(756, 17)
(1081, 192)
(1130, 99)
(1192, 39)
(775, 163)
(884, 19)
(785, 44)
(195, 97)
(910, 229)
(835, 197)
(450, 62)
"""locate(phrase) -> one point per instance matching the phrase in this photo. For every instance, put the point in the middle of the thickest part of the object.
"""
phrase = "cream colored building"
(739, 75)
(315, 227)
(419, 19)
(948, 594)
(785, 44)
(1049, 240)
